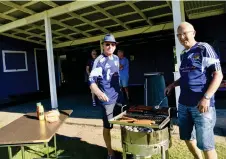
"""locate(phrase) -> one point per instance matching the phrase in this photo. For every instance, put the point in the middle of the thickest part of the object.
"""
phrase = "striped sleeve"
(210, 59)
(96, 70)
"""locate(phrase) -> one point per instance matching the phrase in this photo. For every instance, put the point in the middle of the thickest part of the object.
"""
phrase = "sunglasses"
(112, 44)
(184, 34)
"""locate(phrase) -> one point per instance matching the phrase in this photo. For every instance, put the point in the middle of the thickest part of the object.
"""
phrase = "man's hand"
(168, 89)
(102, 96)
(203, 105)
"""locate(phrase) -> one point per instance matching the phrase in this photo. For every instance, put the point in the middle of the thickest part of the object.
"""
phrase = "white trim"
(36, 69)
(14, 70)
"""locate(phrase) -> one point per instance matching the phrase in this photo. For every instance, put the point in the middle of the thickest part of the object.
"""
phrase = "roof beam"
(29, 33)
(20, 30)
(206, 14)
(118, 16)
(115, 6)
(57, 33)
(25, 5)
(79, 4)
(142, 30)
(70, 27)
(20, 38)
(137, 20)
(74, 15)
(134, 21)
(125, 14)
(169, 4)
(161, 15)
(54, 21)
(4, 16)
(34, 26)
(14, 5)
(50, 3)
(139, 12)
(44, 40)
(110, 16)
(155, 7)
(88, 22)
(107, 8)
(204, 7)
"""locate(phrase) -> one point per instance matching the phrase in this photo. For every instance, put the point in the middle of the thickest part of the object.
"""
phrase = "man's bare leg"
(192, 146)
(127, 92)
(107, 139)
(212, 154)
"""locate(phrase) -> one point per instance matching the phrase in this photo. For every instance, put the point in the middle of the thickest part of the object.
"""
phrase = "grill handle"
(157, 106)
(122, 106)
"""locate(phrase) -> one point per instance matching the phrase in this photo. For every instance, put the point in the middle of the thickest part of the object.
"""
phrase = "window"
(14, 61)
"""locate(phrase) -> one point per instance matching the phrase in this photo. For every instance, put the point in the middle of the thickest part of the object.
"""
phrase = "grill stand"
(157, 142)
(140, 149)
(164, 153)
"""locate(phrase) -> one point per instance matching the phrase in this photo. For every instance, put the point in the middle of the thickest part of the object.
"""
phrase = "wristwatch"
(206, 96)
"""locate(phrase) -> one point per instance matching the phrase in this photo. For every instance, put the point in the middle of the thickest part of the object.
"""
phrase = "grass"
(78, 149)
(180, 151)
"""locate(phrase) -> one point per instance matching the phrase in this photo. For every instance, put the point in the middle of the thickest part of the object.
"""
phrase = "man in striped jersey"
(201, 76)
(104, 82)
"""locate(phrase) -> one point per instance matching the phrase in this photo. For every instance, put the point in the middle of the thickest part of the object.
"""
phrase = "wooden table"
(28, 130)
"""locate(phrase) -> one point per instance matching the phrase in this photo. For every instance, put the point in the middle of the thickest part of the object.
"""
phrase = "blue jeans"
(196, 125)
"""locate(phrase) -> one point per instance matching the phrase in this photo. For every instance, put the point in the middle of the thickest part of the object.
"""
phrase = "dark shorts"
(196, 125)
(108, 112)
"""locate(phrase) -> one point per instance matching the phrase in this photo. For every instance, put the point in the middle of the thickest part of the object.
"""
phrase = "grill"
(144, 143)
(160, 117)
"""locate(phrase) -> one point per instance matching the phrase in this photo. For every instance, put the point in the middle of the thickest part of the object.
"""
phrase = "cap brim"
(111, 42)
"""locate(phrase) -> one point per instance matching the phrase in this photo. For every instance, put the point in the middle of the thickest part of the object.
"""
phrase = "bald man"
(201, 76)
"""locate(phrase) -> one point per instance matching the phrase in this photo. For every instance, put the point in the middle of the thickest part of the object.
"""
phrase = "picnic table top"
(29, 130)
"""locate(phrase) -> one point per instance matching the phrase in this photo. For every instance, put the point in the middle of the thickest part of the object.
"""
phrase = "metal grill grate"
(157, 118)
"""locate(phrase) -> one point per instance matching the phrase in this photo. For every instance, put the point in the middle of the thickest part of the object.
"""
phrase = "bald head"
(186, 34)
(185, 26)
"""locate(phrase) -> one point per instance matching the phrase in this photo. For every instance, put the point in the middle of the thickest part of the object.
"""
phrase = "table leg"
(167, 154)
(123, 152)
(55, 146)
(10, 152)
(22, 152)
(163, 153)
(47, 146)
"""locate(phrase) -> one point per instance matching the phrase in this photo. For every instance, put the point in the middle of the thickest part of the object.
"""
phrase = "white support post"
(59, 69)
(178, 17)
(36, 69)
(50, 57)
(101, 46)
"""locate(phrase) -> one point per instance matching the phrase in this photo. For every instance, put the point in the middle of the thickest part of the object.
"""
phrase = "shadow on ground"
(72, 148)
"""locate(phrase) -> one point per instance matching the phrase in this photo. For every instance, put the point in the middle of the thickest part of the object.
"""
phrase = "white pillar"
(178, 17)
(101, 46)
(36, 69)
(50, 57)
(59, 69)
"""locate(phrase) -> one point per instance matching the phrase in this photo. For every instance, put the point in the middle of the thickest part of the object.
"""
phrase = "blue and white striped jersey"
(105, 73)
(197, 66)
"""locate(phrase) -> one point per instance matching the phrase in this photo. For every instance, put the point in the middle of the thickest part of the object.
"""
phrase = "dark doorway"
(42, 66)
(74, 71)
